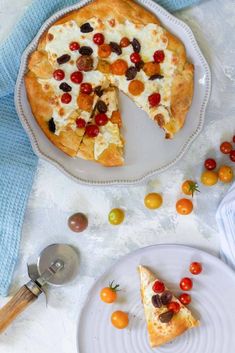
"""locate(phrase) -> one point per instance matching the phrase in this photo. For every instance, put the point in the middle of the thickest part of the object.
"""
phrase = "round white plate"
(147, 151)
(212, 303)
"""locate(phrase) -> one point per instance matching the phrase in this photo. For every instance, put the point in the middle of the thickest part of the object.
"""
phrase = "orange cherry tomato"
(184, 206)
(104, 67)
(153, 200)
(195, 268)
(151, 68)
(85, 102)
(189, 187)
(104, 51)
(119, 67)
(209, 178)
(225, 174)
(124, 42)
(185, 298)
(136, 87)
(108, 295)
(120, 319)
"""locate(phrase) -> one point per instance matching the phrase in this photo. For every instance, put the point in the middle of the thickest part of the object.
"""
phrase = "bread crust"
(120, 10)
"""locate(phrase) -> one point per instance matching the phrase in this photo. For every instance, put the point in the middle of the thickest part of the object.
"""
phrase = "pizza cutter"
(56, 265)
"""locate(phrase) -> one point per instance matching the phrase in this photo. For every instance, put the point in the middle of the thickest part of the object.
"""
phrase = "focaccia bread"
(106, 44)
(162, 324)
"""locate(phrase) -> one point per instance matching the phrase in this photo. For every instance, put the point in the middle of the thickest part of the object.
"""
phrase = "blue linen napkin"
(17, 160)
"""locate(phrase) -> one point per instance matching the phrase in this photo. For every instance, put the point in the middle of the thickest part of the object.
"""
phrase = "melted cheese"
(109, 133)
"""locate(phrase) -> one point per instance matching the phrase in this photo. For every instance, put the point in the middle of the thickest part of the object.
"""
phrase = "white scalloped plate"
(146, 152)
(212, 303)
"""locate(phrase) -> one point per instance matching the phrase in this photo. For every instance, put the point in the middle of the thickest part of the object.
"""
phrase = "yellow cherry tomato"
(109, 294)
(225, 174)
(184, 206)
(116, 216)
(153, 200)
(120, 319)
(209, 178)
(189, 187)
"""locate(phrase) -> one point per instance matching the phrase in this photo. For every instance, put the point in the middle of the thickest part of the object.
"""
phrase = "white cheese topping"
(108, 134)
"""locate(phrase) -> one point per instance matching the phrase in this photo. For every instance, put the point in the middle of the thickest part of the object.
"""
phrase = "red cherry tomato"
(135, 58)
(81, 123)
(232, 155)
(98, 38)
(59, 75)
(86, 88)
(185, 298)
(74, 46)
(101, 119)
(159, 56)
(66, 98)
(210, 164)
(158, 287)
(154, 99)
(76, 77)
(174, 306)
(234, 139)
(226, 147)
(92, 130)
(195, 268)
(186, 284)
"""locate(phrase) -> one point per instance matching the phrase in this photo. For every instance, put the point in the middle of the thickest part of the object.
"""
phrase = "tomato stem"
(114, 287)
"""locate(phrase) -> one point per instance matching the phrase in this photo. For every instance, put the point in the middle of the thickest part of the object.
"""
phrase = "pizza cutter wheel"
(56, 265)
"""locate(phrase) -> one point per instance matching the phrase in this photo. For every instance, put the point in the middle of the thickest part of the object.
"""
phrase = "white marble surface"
(54, 197)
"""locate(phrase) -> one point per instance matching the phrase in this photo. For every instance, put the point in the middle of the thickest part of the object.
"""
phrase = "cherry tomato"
(234, 138)
(119, 67)
(76, 77)
(86, 88)
(185, 298)
(109, 294)
(210, 164)
(120, 319)
(124, 42)
(74, 46)
(78, 222)
(92, 130)
(186, 284)
(158, 287)
(101, 119)
(232, 155)
(59, 75)
(135, 58)
(66, 98)
(184, 206)
(104, 51)
(195, 268)
(116, 216)
(81, 123)
(154, 99)
(189, 187)
(174, 306)
(98, 38)
(226, 147)
(153, 200)
(225, 174)
(159, 56)
(209, 178)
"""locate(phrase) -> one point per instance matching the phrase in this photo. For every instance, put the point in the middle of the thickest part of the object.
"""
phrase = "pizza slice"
(102, 141)
(166, 316)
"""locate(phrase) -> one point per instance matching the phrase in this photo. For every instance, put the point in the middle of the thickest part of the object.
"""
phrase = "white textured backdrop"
(54, 197)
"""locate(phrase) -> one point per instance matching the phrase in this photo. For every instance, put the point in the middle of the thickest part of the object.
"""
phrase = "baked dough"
(43, 98)
(161, 333)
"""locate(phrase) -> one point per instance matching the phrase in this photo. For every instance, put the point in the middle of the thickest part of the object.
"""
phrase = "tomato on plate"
(209, 178)
(225, 174)
(184, 206)
(185, 298)
(109, 294)
(120, 319)
(195, 268)
(186, 284)
(189, 187)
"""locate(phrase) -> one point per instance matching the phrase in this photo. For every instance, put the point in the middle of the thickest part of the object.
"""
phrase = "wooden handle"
(21, 300)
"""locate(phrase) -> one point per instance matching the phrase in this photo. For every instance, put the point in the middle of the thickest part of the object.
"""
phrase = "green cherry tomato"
(116, 216)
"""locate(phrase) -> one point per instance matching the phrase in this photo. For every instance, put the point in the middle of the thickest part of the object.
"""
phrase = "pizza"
(166, 316)
(82, 62)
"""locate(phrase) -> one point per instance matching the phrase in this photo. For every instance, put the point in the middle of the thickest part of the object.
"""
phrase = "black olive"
(166, 317)
(115, 47)
(101, 106)
(136, 45)
(63, 59)
(156, 301)
(65, 87)
(131, 72)
(139, 65)
(85, 50)
(156, 77)
(86, 28)
(51, 125)
(98, 91)
(166, 297)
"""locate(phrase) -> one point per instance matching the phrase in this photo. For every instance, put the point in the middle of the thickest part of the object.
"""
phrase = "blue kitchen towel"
(17, 160)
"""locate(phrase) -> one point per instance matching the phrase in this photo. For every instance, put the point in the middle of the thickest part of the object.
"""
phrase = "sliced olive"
(166, 297)
(156, 301)
(51, 125)
(63, 59)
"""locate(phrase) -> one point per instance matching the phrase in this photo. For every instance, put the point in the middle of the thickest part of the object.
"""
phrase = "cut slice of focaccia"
(102, 141)
(163, 323)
